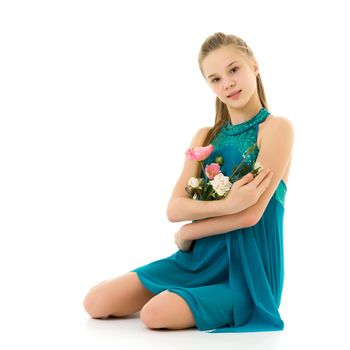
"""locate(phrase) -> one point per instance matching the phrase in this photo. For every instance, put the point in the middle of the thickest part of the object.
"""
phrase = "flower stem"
(203, 170)
(250, 150)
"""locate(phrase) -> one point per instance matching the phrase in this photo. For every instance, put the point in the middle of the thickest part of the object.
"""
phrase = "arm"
(275, 153)
(182, 209)
(242, 195)
(216, 226)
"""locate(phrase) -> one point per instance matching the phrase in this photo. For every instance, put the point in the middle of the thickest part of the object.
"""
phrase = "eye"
(233, 69)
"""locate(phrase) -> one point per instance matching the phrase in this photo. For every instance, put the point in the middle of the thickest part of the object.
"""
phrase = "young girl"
(227, 275)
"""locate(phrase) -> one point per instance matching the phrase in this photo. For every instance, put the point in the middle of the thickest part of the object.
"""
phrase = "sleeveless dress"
(233, 281)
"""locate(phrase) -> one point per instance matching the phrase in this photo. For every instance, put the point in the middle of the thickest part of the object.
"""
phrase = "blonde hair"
(214, 42)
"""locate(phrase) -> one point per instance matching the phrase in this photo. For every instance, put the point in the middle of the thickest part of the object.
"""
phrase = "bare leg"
(167, 310)
(118, 297)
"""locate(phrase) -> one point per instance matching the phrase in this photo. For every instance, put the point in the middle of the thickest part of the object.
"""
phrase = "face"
(225, 78)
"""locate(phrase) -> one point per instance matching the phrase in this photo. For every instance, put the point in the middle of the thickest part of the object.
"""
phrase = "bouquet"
(215, 185)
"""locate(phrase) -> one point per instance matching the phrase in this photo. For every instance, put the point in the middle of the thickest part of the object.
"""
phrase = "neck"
(241, 115)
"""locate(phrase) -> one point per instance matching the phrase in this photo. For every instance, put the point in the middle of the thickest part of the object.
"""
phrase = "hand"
(183, 244)
(246, 191)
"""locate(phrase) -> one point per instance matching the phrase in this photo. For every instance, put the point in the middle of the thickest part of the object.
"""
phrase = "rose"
(221, 184)
(212, 170)
(193, 182)
(199, 153)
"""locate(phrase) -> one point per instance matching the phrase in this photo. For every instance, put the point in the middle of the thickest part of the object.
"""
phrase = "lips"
(234, 93)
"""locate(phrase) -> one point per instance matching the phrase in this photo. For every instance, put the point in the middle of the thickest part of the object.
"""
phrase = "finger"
(265, 183)
(244, 180)
(261, 176)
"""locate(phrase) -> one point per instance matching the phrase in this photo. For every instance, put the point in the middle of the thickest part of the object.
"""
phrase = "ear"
(255, 66)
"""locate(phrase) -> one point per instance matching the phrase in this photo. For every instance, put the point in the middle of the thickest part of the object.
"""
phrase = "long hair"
(214, 42)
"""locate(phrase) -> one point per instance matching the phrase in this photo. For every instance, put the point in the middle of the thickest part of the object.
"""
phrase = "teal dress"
(233, 281)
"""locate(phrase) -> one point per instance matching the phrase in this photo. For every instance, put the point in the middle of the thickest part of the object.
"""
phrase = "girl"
(227, 275)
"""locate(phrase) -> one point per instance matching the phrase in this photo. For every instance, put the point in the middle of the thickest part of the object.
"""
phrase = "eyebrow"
(226, 67)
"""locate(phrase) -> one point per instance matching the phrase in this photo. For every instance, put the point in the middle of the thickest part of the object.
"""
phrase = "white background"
(99, 101)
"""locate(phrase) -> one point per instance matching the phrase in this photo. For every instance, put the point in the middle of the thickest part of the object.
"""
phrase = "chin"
(238, 103)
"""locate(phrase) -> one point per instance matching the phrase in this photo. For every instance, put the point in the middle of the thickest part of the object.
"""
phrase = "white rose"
(193, 182)
(221, 184)
(258, 165)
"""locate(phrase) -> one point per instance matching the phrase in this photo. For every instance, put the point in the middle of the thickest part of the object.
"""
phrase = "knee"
(150, 316)
(94, 304)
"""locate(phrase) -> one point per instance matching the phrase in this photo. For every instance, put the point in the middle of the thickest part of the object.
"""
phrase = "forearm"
(216, 226)
(187, 209)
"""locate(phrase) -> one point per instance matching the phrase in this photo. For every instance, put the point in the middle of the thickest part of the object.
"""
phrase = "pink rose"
(199, 153)
(212, 170)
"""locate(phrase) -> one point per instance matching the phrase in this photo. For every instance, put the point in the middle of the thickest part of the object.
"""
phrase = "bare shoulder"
(279, 124)
(200, 136)
(204, 131)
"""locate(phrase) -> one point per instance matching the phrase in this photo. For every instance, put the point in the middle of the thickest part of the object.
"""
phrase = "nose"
(229, 84)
